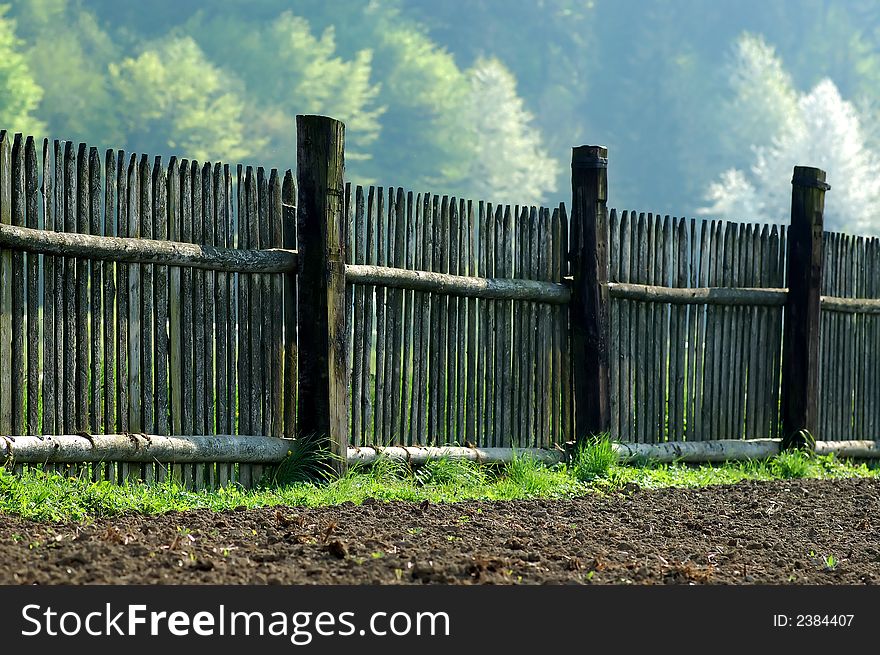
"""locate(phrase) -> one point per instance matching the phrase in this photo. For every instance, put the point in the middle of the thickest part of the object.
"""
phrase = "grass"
(51, 497)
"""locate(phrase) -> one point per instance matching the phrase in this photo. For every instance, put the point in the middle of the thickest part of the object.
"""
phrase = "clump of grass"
(593, 460)
(451, 471)
(791, 464)
(306, 462)
(525, 476)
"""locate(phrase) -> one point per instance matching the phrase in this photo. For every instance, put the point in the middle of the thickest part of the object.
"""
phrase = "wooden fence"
(175, 321)
(437, 367)
(104, 332)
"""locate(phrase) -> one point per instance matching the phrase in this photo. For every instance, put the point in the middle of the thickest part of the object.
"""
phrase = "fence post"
(800, 339)
(322, 408)
(589, 300)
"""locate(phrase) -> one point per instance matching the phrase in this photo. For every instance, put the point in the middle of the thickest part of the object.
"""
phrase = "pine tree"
(510, 164)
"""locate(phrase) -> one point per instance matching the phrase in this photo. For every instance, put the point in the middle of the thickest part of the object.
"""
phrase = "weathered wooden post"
(800, 342)
(589, 299)
(322, 407)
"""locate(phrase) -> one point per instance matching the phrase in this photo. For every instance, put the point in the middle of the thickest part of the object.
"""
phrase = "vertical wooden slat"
(520, 361)
(122, 318)
(470, 405)
(624, 334)
(484, 393)
(761, 390)
(110, 228)
(425, 345)
(463, 304)
(381, 293)
(33, 278)
(265, 315)
(210, 319)
(288, 200)
(17, 361)
(135, 364)
(243, 316)
(614, 257)
(556, 331)
(727, 386)
(222, 328)
(83, 383)
(408, 414)
(370, 257)
(394, 311)
(566, 378)
(737, 358)
(398, 364)
(93, 281)
(441, 264)
(357, 375)
(175, 301)
(6, 261)
(160, 288)
(198, 306)
(48, 305)
(254, 317)
(664, 258)
(415, 236)
(434, 322)
(74, 380)
(147, 325)
(491, 409)
(546, 328)
(452, 333)
(779, 276)
(507, 308)
(276, 241)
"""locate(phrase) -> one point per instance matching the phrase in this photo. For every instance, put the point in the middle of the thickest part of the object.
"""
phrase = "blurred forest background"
(704, 106)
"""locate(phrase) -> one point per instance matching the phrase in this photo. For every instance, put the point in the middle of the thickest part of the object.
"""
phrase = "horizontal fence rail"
(144, 448)
(145, 251)
(730, 296)
(459, 285)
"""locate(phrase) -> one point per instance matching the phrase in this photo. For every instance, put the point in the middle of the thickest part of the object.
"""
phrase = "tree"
(826, 132)
(172, 97)
(69, 52)
(19, 93)
(510, 164)
(287, 70)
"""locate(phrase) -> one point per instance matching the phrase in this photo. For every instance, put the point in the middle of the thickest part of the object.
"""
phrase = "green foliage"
(449, 471)
(286, 70)
(171, 96)
(791, 464)
(593, 459)
(69, 52)
(19, 92)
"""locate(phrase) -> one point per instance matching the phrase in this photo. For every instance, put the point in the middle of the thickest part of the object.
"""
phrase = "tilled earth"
(751, 532)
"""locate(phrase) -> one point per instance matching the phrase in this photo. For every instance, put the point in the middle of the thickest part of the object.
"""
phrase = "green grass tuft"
(791, 464)
(593, 460)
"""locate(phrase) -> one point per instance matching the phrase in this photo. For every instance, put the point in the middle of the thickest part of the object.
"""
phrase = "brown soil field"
(748, 533)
